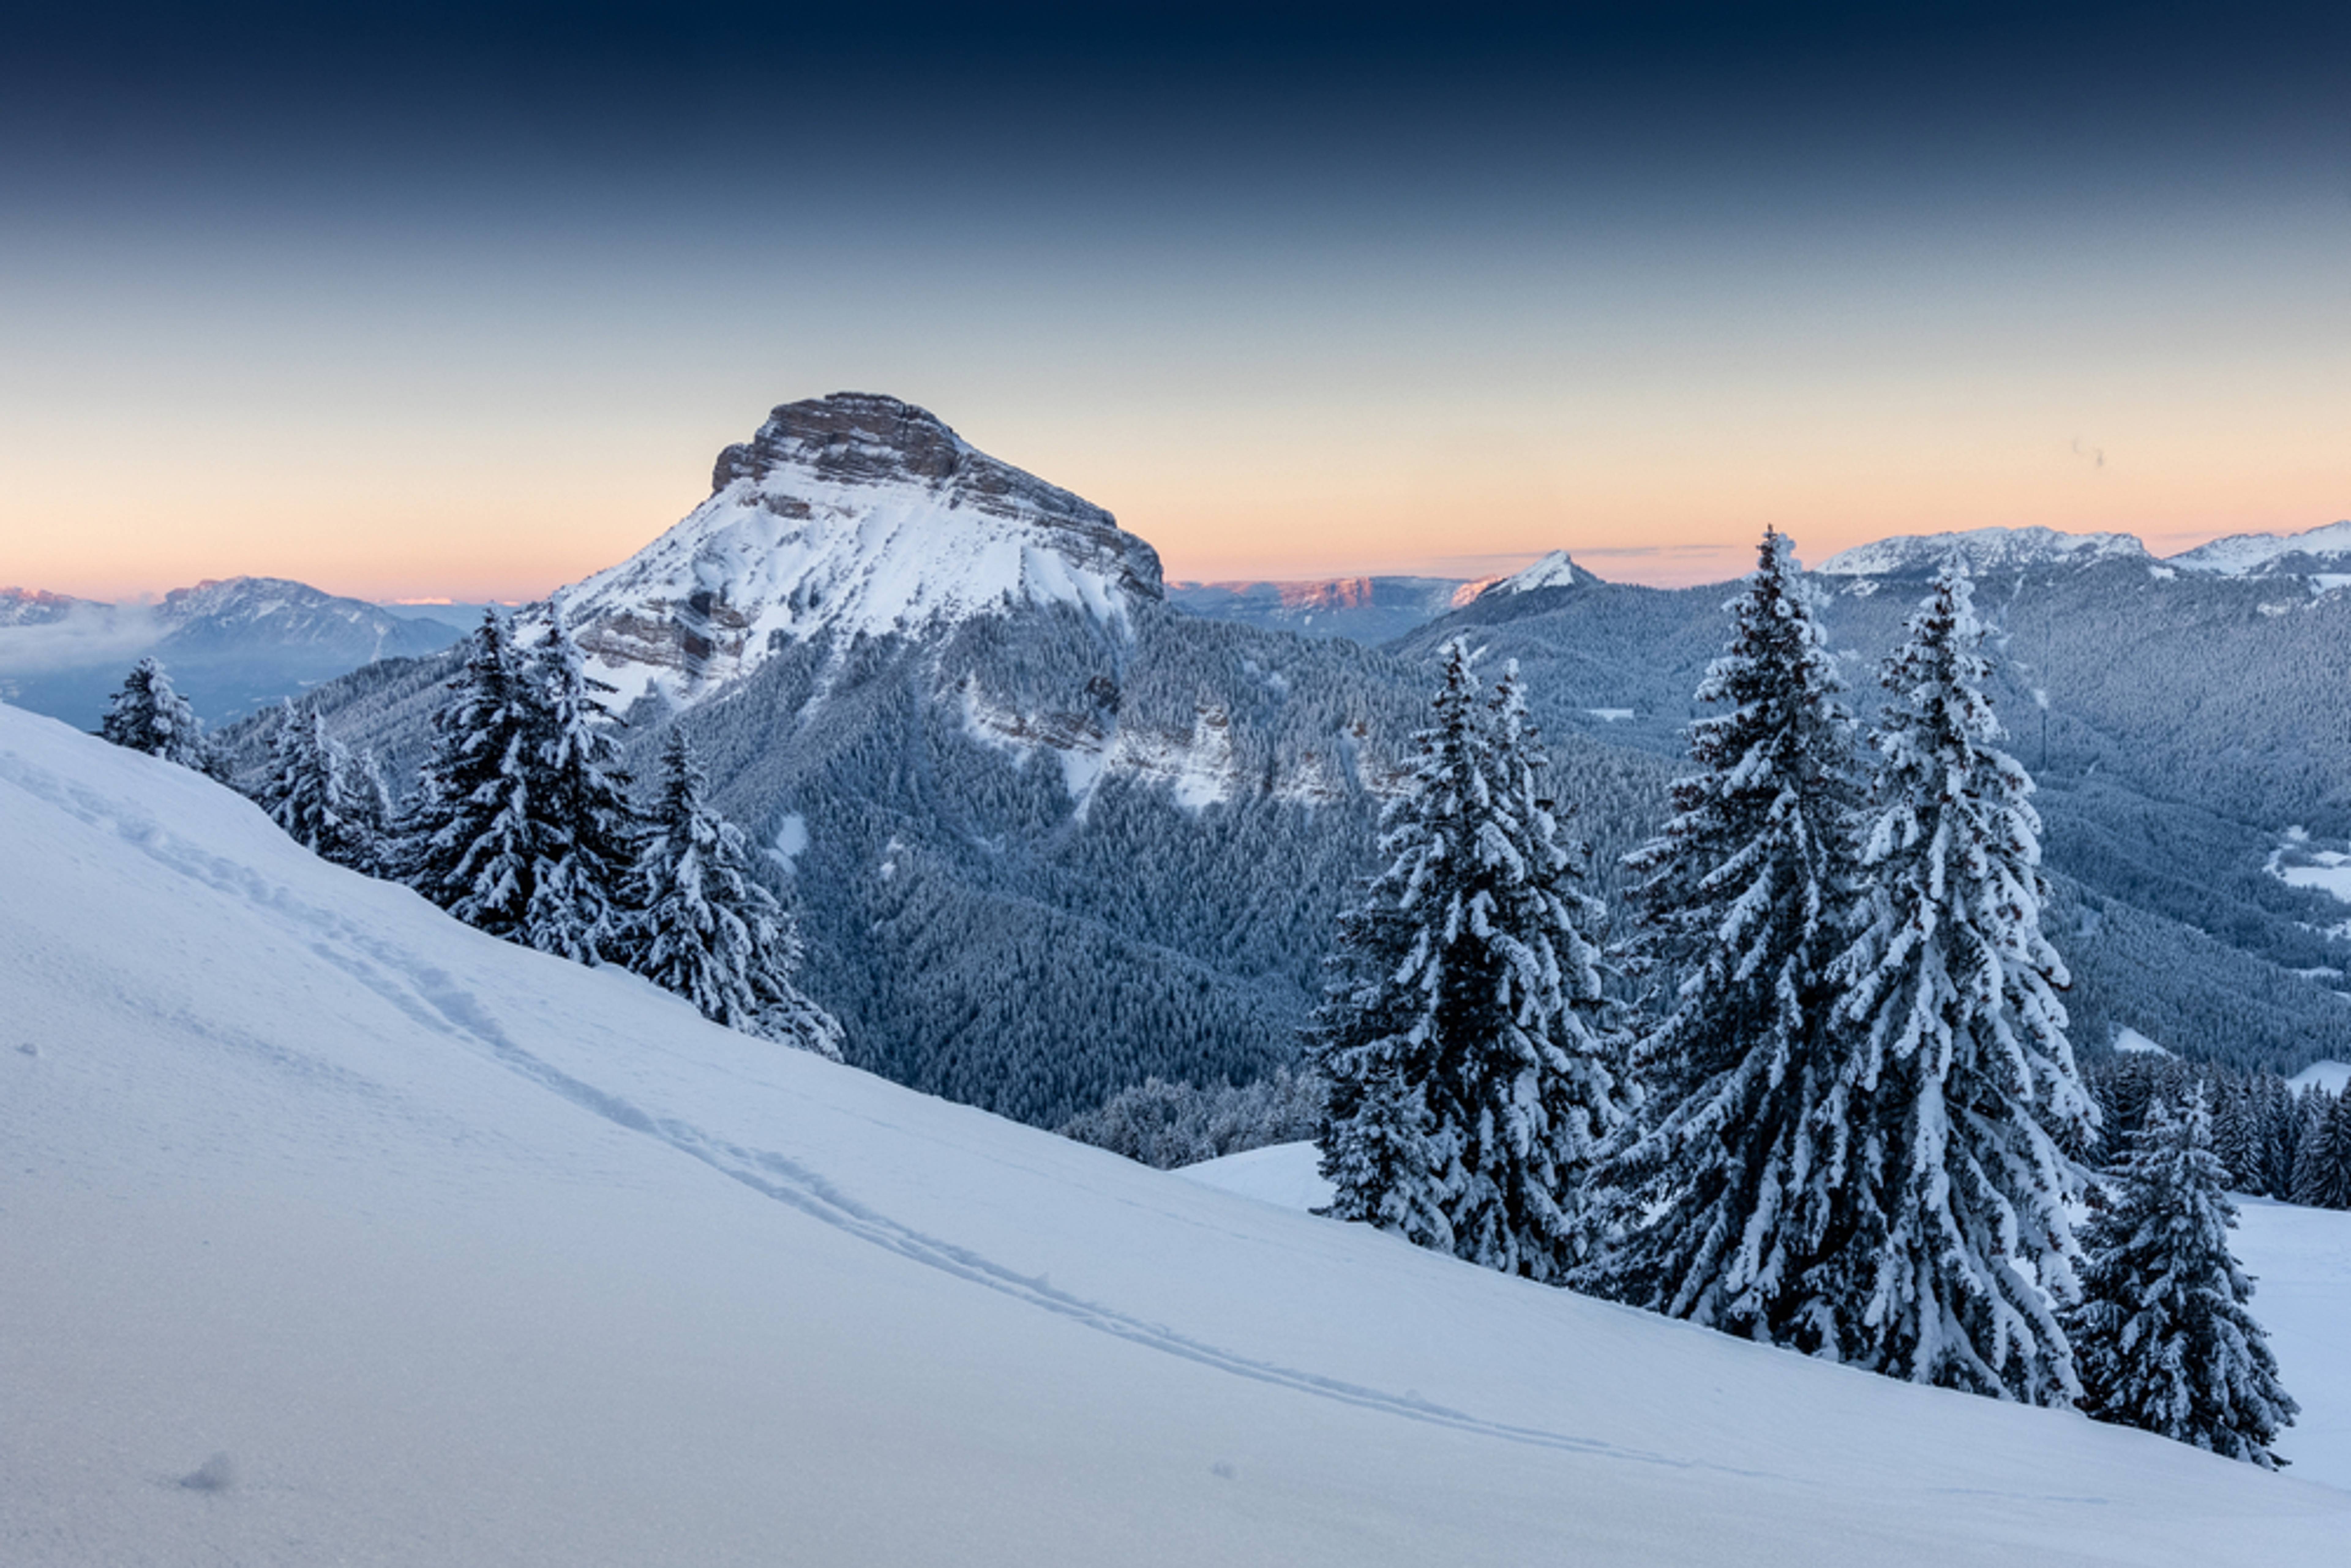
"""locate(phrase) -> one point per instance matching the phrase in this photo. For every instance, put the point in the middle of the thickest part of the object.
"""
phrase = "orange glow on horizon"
(1309, 492)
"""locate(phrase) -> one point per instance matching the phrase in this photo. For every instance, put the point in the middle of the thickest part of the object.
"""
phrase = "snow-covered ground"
(2301, 1262)
(460, 1254)
(2301, 1259)
(2332, 1076)
(2326, 870)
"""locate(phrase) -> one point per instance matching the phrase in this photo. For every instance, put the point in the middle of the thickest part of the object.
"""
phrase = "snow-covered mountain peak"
(2241, 555)
(1984, 549)
(1554, 570)
(850, 514)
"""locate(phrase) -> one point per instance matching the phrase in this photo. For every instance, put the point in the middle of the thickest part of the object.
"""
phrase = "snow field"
(464, 1254)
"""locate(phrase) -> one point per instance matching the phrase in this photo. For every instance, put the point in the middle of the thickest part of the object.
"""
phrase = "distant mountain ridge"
(2326, 548)
(231, 645)
(32, 607)
(1984, 549)
(1370, 610)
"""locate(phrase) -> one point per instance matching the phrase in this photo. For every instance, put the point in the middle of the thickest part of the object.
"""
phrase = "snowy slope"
(1984, 549)
(2301, 1259)
(463, 1255)
(2301, 1262)
(850, 514)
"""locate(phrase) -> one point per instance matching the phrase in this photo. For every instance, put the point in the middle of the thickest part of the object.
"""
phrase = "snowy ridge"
(1367, 609)
(465, 1254)
(855, 514)
(1984, 549)
(2241, 555)
(34, 607)
(1554, 570)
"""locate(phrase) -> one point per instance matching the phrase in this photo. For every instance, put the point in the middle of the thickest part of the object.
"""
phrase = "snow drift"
(418, 1248)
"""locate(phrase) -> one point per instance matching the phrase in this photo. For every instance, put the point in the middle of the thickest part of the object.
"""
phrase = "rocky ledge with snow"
(850, 514)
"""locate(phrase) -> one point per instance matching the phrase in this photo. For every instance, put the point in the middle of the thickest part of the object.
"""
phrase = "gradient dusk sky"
(462, 299)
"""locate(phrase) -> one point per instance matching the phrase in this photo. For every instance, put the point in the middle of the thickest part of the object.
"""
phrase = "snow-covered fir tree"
(2162, 1337)
(2281, 1130)
(2236, 1114)
(706, 927)
(1960, 1074)
(520, 826)
(309, 791)
(148, 714)
(580, 799)
(2322, 1160)
(370, 798)
(1730, 1184)
(469, 842)
(1467, 1039)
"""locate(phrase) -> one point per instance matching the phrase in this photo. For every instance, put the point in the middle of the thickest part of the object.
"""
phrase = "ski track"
(433, 997)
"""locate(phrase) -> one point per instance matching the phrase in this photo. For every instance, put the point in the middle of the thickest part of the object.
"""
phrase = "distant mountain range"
(231, 646)
(1370, 610)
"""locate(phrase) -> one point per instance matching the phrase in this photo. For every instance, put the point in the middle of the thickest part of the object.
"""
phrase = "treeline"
(1169, 1126)
(2271, 1140)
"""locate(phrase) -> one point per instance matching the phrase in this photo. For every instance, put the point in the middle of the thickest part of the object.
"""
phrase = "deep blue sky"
(462, 299)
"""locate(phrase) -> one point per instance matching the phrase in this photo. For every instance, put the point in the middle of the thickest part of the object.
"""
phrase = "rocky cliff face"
(849, 514)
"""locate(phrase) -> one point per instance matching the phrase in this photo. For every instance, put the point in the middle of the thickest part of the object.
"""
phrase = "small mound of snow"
(2129, 1040)
(2331, 1076)
(1287, 1175)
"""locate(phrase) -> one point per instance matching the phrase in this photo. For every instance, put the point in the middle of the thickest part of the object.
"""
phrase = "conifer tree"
(1468, 1039)
(2237, 1134)
(579, 797)
(470, 844)
(2279, 1130)
(2321, 1162)
(1958, 1063)
(370, 801)
(2162, 1337)
(147, 714)
(706, 927)
(1732, 1183)
(308, 792)
(520, 825)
